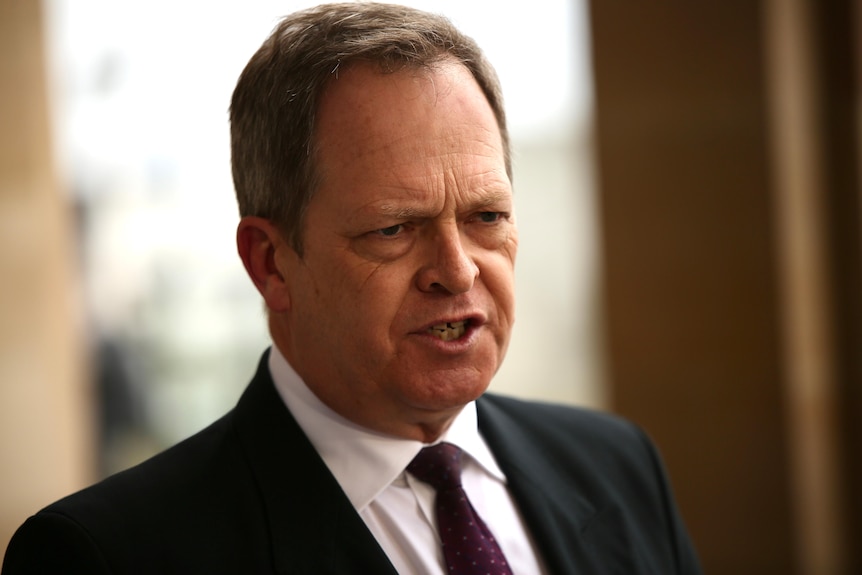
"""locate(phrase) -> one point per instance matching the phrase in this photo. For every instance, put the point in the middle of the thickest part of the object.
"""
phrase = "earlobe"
(258, 242)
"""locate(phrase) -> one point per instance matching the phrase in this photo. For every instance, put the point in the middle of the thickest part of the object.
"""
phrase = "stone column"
(45, 423)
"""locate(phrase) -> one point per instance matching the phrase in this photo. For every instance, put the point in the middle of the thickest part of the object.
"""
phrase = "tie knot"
(438, 465)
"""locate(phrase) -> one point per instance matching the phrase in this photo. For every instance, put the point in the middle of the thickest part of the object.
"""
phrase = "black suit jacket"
(250, 495)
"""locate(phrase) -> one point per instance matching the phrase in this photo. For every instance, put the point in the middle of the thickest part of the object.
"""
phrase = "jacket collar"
(310, 519)
(572, 533)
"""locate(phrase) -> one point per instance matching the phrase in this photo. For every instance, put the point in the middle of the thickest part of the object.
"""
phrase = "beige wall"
(44, 433)
(728, 151)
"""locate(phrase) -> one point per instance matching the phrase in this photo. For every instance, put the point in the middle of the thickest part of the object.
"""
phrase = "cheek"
(500, 281)
(373, 298)
(325, 301)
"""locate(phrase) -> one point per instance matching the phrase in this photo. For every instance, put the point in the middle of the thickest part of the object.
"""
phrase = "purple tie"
(468, 546)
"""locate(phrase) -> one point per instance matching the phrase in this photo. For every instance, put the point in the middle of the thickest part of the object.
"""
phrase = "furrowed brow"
(400, 212)
(491, 199)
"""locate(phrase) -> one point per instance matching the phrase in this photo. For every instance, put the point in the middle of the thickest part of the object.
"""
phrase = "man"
(371, 163)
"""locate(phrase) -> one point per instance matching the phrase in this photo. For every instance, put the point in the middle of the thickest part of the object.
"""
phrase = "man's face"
(402, 303)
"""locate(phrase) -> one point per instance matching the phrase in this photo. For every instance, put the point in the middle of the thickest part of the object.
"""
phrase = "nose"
(448, 267)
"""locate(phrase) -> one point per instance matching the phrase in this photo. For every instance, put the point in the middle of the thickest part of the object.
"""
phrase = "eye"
(391, 231)
(490, 217)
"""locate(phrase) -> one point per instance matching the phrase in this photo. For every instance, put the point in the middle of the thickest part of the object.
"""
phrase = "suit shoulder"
(174, 469)
(53, 543)
(558, 420)
(177, 485)
(599, 459)
(586, 442)
(161, 516)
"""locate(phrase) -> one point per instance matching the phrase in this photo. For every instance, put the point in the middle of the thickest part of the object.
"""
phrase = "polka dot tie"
(468, 546)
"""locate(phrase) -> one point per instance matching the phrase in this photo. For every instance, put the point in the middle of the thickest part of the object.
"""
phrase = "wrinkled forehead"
(366, 111)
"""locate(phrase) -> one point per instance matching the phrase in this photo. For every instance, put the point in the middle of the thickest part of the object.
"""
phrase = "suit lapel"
(315, 530)
(313, 525)
(573, 534)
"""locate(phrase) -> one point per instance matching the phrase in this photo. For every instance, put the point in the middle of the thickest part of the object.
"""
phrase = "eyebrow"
(408, 212)
(492, 198)
(399, 212)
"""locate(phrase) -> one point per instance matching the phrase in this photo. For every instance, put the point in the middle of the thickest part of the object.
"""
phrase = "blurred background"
(688, 196)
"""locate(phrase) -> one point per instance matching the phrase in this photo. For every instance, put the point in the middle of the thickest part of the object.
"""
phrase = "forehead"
(364, 109)
(413, 124)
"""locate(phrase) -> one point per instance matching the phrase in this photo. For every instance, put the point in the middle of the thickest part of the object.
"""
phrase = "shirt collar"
(363, 461)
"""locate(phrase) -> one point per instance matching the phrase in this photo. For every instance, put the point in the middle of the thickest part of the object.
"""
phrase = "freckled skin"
(412, 225)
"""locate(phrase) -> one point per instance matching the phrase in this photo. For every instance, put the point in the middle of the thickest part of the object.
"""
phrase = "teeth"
(449, 331)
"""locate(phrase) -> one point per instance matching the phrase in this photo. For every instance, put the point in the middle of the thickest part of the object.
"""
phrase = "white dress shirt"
(397, 508)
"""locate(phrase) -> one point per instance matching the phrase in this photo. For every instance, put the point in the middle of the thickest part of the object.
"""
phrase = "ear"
(257, 241)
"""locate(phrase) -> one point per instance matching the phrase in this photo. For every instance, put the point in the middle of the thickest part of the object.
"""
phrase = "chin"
(446, 393)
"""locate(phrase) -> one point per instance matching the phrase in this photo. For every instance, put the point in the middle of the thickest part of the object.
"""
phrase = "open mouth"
(449, 330)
